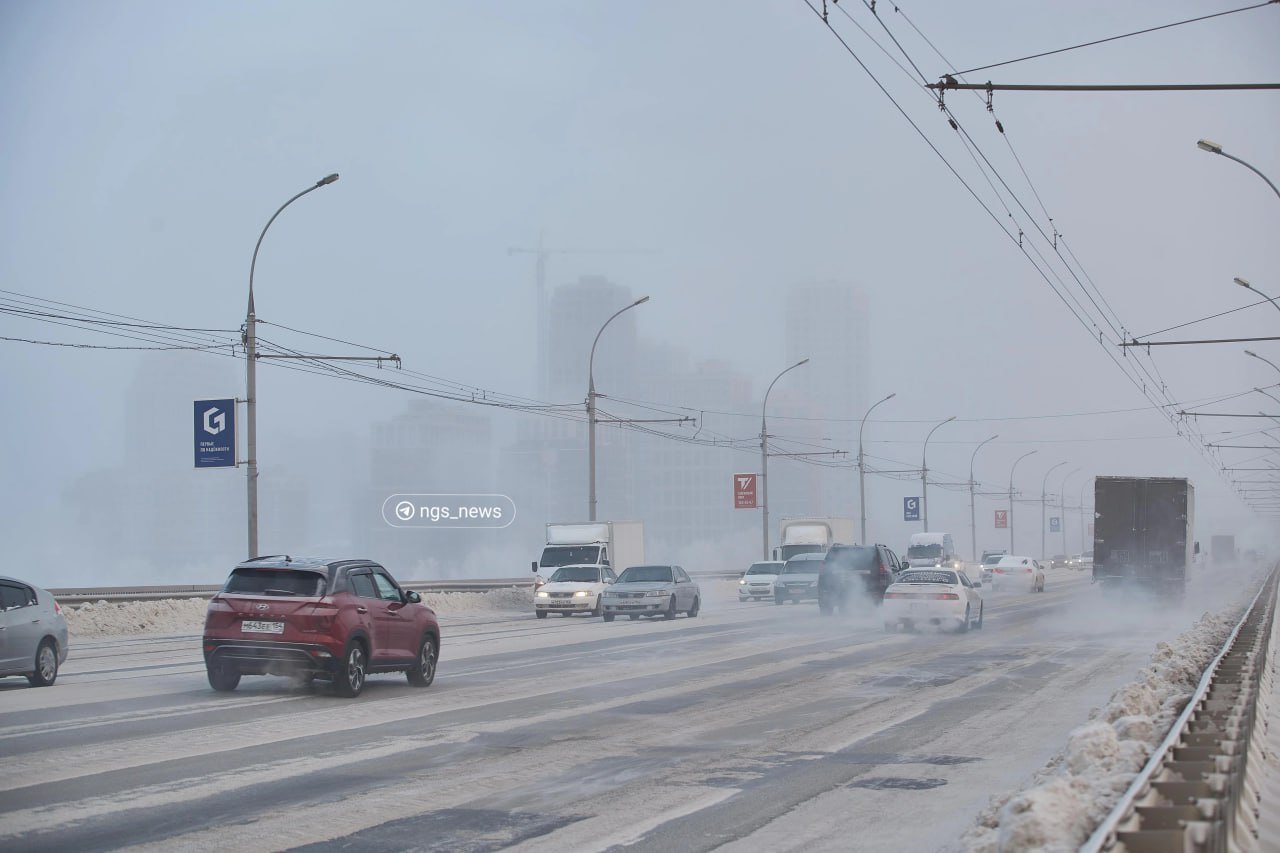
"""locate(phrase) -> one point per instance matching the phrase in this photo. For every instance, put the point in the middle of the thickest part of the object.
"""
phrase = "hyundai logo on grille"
(263, 606)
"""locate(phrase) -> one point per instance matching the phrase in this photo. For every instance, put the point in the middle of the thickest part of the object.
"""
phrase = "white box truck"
(812, 535)
(616, 544)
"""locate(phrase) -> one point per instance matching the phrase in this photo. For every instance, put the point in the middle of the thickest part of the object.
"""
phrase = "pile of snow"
(186, 615)
(1080, 786)
(106, 618)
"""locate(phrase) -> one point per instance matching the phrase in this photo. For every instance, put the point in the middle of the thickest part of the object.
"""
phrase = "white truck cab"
(932, 549)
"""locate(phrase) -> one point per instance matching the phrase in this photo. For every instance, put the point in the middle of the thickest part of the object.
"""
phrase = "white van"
(932, 549)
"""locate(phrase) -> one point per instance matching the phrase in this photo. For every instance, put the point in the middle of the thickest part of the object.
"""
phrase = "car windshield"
(801, 567)
(861, 559)
(248, 581)
(928, 577)
(992, 560)
(1014, 561)
(554, 556)
(645, 574)
(924, 551)
(763, 569)
(576, 574)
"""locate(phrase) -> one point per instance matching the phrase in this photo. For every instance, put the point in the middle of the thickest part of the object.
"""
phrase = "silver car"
(652, 591)
(33, 633)
(798, 580)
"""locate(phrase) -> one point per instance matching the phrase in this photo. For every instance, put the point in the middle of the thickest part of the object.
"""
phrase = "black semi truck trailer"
(1143, 532)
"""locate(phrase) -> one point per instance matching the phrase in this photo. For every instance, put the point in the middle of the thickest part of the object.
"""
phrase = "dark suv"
(338, 620)
(852, 571)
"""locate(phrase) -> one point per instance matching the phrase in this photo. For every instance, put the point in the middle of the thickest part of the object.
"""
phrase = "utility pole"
(924, 475)
(973, 518)
(1043, 520)
(764, 461)
(1011, 470)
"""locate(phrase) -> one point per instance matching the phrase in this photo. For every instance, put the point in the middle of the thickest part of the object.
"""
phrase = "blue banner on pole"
(215, 433)
(910, 509)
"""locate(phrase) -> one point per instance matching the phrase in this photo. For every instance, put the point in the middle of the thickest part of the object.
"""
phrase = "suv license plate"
(262, 627)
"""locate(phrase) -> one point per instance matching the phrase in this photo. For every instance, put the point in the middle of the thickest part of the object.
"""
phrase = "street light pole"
(1043, 521)
(1215, 148)
(251, 377)
(1011, 470)
(924, 475)
(591, 411)
(1260, 358)
(973, 519)
(1062, 508)
(764, 460)
(862, 470)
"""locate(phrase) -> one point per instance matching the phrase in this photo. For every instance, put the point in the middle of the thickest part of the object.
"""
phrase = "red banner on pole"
(1002, 518)
(744, 491)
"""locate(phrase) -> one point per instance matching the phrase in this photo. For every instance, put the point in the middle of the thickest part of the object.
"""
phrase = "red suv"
(338, 620)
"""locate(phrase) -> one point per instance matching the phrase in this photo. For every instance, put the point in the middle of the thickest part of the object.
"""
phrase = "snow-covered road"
(752, 727)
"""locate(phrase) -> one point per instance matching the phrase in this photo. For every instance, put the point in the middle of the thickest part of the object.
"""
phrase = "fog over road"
(751, 727)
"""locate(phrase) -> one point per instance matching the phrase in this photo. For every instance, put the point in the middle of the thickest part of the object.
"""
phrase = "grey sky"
(146, 143)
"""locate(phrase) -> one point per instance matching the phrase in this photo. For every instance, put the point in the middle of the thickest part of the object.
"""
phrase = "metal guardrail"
(1196, 792)
(122, 594)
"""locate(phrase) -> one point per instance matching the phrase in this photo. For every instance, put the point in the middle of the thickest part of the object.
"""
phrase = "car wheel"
(423, 671)
(964, 626)
(697, 605)
(223, 678)
(46, 671)
(777, 599)
(599, 609)
(634, 616)
(670, 612)
(891, 627)
(981, 608)
(541, 614)
(608, 617)
(349, 680)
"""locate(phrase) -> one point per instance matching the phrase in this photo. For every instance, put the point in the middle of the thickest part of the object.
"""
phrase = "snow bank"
(1076, 790)
(186, 615)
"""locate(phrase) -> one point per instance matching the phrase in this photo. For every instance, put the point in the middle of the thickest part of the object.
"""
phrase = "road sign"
(910, 509)
(215, 433)
(1002, 518)
(744, 491)
(1055, 524)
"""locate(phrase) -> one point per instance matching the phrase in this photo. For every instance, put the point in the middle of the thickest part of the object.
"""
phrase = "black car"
(850, 572)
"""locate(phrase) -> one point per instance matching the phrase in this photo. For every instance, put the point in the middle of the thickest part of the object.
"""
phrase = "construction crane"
(541, 253)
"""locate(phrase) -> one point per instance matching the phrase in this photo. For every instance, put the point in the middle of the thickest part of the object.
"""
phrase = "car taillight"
(896, 595)
(945, 596)
(319, 619)
(57, 608)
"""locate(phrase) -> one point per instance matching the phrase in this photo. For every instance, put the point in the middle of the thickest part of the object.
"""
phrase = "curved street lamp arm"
(327, 179)
(591, 362)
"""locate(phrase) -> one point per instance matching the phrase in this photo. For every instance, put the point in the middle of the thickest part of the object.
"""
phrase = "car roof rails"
(284, 557)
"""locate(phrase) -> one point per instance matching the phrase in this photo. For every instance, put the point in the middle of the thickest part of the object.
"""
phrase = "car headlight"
(658, 593)
(582, 593)
(743, 581)
(544, 595)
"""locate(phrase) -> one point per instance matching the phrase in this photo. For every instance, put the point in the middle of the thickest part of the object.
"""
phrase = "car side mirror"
(412, 597)
(977, 584)
(535, 567)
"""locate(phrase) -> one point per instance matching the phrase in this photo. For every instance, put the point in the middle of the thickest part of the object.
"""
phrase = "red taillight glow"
(57, 608)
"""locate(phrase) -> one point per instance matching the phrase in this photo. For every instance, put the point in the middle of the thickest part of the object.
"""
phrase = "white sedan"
(940, 597)
(573, 589)
(1011, 571)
